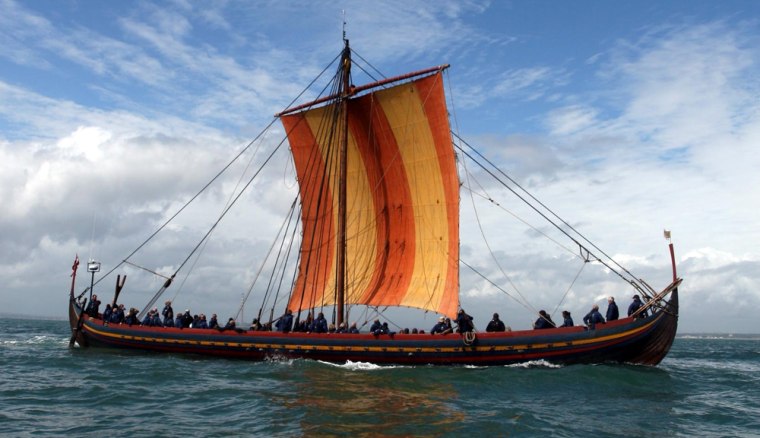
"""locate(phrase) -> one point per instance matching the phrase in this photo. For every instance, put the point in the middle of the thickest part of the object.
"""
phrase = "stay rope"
(631, 279)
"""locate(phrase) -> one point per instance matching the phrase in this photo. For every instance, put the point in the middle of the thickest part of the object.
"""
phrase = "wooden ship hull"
(643, 341)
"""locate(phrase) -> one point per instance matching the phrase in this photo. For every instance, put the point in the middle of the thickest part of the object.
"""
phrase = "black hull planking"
(637, 341)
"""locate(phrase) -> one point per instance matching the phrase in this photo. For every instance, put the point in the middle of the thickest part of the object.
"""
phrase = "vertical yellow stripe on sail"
(361, 232)
(407, 118)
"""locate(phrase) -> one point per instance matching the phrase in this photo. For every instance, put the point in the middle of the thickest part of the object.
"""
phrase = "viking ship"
(376, 225)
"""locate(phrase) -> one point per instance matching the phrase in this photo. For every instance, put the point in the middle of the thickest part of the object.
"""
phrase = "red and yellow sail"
(402, 212)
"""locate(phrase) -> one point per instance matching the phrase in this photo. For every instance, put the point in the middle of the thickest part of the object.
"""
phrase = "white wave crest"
(359, 366)
(34, 340)
(280, 359)
(535, 364)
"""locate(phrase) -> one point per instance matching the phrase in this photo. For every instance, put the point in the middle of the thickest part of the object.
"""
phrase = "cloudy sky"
(626, 118)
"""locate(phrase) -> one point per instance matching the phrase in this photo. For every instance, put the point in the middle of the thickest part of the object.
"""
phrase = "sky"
(627, 118)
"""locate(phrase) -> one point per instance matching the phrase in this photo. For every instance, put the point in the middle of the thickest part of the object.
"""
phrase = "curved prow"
(76, 314)
(76, 311)
(664, 307)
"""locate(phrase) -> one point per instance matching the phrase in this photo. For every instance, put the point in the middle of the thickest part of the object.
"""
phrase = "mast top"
(344, 27)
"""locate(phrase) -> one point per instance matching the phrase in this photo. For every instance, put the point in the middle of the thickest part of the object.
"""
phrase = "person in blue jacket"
(567, 319)
(440, 327)
(93, 306)
(342, 328)
(636, 305)
(178, 321)
(612, 310)
(213, 323)
(320, 324)
(496, 324)
(146, 321)
(383, 329)
(131, 317)
(168, 313)
(256, 325)
(187, 319)
(230, 325)
(117, 313)
(155, 319)
(353, 329)
(544, 321)
(375, 326)
(202, 323)
(464, 322)
(285, 323)
(107, 313)
(593, 317)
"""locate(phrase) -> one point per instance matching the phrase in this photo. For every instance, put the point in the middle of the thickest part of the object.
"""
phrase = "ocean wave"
(359, 366)
(476, 367)
(735, 366)
(534, 364)
(366, 366)
(280, 359)
(35, 340)
(721, 336)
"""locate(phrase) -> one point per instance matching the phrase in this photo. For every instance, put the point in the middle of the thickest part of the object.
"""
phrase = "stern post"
(666, 233)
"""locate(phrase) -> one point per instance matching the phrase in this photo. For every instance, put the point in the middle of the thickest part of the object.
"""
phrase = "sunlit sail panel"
(402, 221)
(417, 113)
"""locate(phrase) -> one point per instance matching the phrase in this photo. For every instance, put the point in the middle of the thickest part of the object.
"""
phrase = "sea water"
(707, 386)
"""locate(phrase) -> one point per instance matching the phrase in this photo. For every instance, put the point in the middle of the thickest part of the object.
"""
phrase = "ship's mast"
(342, 193)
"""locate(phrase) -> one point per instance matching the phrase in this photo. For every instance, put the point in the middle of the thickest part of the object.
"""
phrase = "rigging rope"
(208, 233)
(369, 64)
(632, 280)
(205, 244)
(266, 257)
(523, 221)
(495, 285)
(207, 185)
(583, 265)
(146, 269)
(203, 189)
(488, 246)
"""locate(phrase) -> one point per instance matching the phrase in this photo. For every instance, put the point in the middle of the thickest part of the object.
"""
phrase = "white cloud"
(710, 258)
(17, 27)
(85, 142)
(521, 79)
(571, 119)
